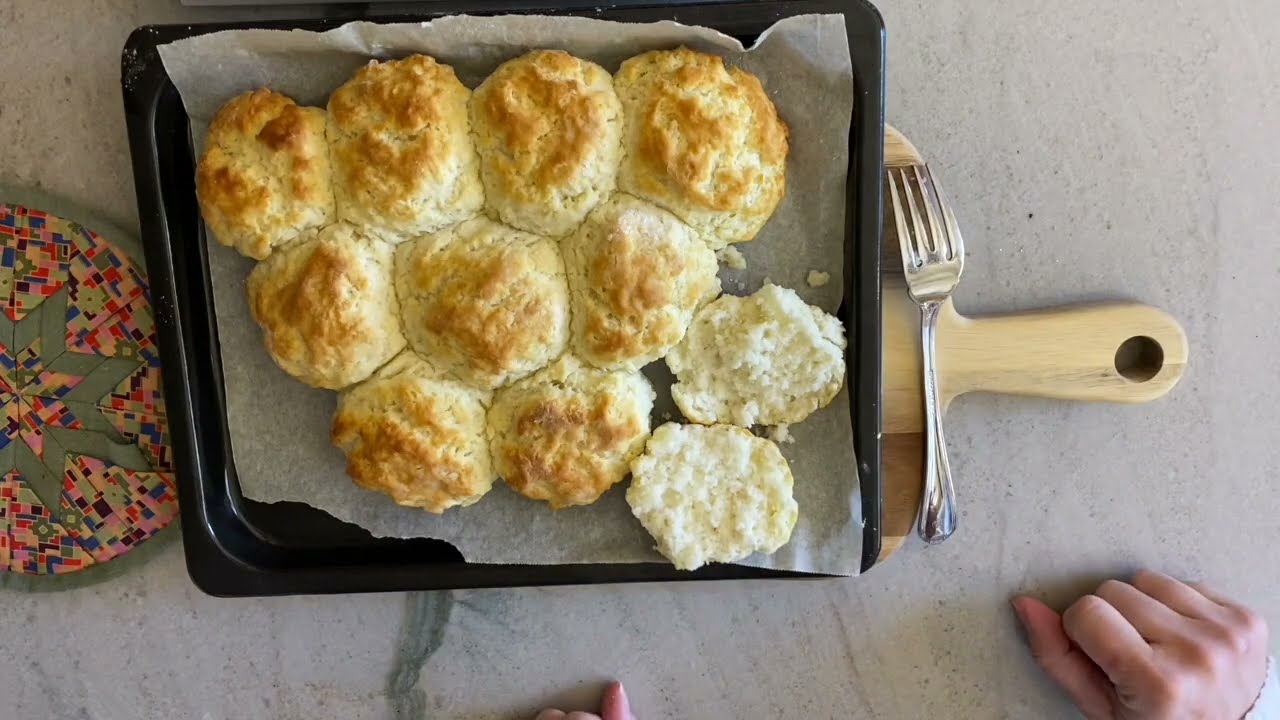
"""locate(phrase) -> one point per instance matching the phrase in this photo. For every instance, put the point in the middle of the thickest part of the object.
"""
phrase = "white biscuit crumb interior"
(765, 359)
(712, 494)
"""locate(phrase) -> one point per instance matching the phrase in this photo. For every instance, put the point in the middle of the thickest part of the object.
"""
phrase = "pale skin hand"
(1154, 649)
(613, 706)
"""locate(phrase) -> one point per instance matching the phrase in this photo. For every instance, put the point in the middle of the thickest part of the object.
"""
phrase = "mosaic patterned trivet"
(86, 471)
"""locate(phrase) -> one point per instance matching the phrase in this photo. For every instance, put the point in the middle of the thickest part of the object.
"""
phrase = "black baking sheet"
(239, 547)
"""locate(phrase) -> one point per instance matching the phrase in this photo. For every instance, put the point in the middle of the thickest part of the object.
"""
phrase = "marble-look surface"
(1093, 150)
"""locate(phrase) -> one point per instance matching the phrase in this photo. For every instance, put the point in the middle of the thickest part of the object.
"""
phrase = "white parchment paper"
(279, 427)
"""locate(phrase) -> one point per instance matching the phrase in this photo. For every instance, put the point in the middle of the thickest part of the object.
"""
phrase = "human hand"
(613, 706)
(1153, 649)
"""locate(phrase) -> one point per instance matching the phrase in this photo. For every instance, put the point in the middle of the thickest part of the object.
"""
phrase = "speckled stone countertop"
(1093, 150)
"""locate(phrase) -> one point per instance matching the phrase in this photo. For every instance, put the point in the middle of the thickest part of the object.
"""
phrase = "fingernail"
(1017, 610)
(615, 702)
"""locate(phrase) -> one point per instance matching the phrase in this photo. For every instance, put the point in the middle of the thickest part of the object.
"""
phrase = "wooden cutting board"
(1115, 352)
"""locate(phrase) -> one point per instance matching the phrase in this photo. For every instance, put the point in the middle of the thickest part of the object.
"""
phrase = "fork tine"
(932, 208)
(900, 220)
(920, 237)
(955, 240)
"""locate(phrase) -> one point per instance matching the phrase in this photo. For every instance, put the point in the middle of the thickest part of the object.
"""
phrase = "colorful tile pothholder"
(86, 469)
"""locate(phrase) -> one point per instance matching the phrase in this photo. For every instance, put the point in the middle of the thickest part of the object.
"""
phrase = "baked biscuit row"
(406, 149)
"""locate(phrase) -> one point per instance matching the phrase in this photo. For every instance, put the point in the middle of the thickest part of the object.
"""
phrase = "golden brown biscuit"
(327, 307)
(263, 179)
(548, 127)
(567, 433)
(403, 161)
(413, 434)
(636, 276)
(702, 141)
(487, 302)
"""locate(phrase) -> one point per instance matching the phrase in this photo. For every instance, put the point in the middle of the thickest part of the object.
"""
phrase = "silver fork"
(932, 260)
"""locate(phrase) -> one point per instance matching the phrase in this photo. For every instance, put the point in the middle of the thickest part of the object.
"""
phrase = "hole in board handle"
(1139, 358)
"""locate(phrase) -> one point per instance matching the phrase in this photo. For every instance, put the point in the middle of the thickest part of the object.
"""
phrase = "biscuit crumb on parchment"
(781, 434)
(732, 258)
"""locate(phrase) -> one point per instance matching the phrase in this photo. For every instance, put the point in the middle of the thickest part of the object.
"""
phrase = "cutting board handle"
(1115, 352)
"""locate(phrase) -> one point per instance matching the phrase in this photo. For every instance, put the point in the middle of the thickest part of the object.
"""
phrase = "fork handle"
(937, 519)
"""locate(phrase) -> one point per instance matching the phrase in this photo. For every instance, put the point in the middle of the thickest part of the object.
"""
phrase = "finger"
(550, 714)
(1181, 598)
(578, 715)
(1110, 641)
(1241, 619)
(1154, 620)
(1211, 595)
(1061, 661)
(614, 704)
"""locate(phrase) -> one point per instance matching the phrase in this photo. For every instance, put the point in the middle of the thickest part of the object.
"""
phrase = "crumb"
(781, 434)
(666, 416)
(767, 281)
(817, 278)
(733, 259)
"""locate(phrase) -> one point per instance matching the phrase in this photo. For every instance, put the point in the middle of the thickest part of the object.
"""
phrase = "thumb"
(614, 704)
(1065, 663)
